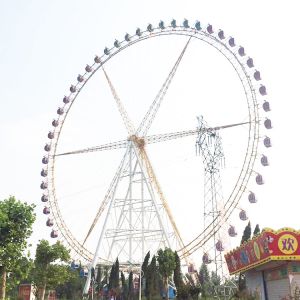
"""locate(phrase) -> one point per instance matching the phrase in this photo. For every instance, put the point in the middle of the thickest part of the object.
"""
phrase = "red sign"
(269, 245)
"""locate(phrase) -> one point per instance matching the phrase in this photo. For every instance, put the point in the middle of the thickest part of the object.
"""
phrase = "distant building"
(26, 292)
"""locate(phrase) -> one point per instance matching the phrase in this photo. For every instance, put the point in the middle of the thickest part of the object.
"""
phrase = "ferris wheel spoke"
(125, 117)
(144, 157)
(176, 135)
(107, 196)
(110, 146)
(151, 139)
(153, 109)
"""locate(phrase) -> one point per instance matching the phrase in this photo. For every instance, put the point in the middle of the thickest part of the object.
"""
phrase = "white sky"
(45, 44)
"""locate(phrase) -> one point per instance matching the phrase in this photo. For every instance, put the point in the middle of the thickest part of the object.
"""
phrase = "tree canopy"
(205, 280)
(166, 265)
(166, 262)
(178, 280)
(47, 271)
(152, 279)
(16, 220)
(247, 233)
(256, 230)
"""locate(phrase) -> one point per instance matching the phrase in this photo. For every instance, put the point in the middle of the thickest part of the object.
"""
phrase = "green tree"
(204, 278)
(194, 291)
(247, 233)
(166, 266)
(20, 274)
(246, 237)
(215, 278)
(99, 279)
(130, 286)
(114, 277)
(146, 262)
(16, 219)
(73, 287)
(178, 281)
(47, 270)
(256, 230)
(117, 274)
(144, 269)
(191, 289)
(216, 283)
(152, 279)
(183, 292)
(111, 277)
(124, 286)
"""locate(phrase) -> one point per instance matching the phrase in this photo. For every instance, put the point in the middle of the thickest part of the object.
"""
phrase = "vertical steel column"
(130, 203)
(143, 217)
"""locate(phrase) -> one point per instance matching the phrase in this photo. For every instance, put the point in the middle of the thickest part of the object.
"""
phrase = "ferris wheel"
(120, 176)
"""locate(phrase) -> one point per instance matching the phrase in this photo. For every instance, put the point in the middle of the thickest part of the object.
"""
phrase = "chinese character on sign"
(287, 244)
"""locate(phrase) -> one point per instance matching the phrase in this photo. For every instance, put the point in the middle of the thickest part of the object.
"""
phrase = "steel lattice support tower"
(136, 221)
(209, 145)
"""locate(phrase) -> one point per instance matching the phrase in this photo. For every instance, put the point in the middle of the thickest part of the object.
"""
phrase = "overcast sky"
(46, 44)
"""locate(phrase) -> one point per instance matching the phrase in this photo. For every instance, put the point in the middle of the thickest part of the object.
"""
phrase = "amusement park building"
(271, 263)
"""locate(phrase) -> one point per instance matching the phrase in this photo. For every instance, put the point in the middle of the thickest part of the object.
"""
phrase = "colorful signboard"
(270, 245)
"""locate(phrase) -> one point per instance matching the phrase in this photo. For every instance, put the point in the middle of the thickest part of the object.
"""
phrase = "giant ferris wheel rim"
(253, 135)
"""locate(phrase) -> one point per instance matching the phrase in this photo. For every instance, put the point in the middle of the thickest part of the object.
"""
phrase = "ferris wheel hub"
(138, 141)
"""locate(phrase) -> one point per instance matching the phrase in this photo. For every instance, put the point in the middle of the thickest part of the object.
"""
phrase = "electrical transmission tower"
(209, 146)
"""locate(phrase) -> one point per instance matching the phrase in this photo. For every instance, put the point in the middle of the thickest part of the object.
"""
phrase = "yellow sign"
(256, 250)
(287, 244)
